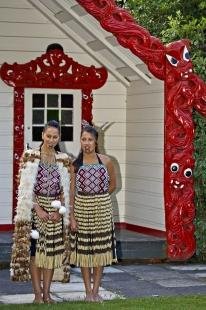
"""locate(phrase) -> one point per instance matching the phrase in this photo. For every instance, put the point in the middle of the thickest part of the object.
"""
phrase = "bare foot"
(38, 299)
(48, 300)
(98, 298)
(89, 297)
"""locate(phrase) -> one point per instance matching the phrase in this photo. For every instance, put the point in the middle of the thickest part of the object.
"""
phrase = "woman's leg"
(97, 277)
(36, 281)
(47, 279)
(86, 274)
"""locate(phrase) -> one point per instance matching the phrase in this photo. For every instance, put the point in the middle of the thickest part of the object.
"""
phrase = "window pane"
(52, 115)
(67, 117)
(52, 101)
(67, 101)
(38, 100)
(38, 117)
(66, 133)
(37, 133)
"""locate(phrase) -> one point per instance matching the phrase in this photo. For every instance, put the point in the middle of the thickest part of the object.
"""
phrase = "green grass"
(155, 303)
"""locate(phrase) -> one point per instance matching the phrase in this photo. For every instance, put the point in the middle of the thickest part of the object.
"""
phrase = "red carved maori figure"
(184, 90)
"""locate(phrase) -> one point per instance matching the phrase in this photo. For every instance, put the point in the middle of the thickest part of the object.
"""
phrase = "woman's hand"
(73, 223)
(55, 216)
(43, 215)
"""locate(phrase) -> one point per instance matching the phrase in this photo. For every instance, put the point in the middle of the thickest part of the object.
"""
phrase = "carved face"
(180, 174)
(178, 57)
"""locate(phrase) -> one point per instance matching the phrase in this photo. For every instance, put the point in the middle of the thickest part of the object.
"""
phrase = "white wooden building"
(131, 101)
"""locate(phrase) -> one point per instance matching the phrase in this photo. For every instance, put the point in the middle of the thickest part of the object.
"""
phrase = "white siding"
(144, 205)
(6, 153)
(110, 106)
(24, 35)
(133, 139)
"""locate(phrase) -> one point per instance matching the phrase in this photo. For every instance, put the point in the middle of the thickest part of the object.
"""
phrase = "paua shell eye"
(85, 97)
(172, 60)
(188, 172)
(186, 54)
(174, 167)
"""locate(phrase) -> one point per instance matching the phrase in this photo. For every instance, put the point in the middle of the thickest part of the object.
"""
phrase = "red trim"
(141, 229)
(6, 227)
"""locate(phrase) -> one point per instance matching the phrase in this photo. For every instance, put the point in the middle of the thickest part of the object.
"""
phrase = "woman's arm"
(112, 177)
(72, 189)
(112, 174)
(73, 222)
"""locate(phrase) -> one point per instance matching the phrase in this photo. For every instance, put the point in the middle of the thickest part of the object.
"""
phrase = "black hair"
(53, 124)
(54, 46)
(91, 130)
(79, 160)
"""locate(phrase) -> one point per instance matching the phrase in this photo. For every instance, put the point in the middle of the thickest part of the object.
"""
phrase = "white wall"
(144, 203)
(6, 153)
(110, 106)
(24, 35)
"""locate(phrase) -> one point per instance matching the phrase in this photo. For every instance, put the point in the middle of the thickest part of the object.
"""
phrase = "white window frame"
(66, 146)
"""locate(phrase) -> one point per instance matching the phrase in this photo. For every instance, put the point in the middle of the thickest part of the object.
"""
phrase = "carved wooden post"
(183, 91)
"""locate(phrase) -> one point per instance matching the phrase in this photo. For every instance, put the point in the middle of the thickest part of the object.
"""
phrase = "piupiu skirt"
(94, 243)
(49, 248)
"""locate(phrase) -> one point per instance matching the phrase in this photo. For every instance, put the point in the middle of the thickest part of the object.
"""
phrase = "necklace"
(48, 158)
(89, 160)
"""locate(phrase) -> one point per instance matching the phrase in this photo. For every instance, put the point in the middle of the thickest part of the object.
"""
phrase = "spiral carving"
(183, 91)
(53, 70)
(18, 137)
(128, 33)
(87, 100)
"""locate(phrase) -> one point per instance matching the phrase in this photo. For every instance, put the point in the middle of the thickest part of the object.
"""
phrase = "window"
(53, 106)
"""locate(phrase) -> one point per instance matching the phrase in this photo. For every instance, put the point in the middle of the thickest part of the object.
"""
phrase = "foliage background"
(171, 21)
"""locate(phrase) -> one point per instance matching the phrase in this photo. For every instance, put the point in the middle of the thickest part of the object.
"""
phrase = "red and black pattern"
(92, 179)
(48, 180)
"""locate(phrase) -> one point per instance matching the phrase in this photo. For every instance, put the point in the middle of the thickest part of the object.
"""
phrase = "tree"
(170, 21)
(173, 20)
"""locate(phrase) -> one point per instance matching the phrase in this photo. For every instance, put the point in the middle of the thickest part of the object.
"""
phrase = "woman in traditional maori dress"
(92, 231)
(41, 235)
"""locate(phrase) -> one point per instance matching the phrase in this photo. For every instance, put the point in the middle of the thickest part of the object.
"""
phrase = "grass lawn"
(155, 303)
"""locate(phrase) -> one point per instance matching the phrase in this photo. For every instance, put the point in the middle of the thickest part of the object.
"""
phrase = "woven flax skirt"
(49, 248)
(94, 243)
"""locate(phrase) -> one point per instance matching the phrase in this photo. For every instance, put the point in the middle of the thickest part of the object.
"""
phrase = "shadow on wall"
(101, 142)
(64, 150)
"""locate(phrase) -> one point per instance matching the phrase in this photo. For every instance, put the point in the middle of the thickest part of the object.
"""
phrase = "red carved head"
(179, 65)
(180, 173)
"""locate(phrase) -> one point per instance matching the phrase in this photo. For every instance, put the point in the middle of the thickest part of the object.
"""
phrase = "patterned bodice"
(92, 179)
(47, 180)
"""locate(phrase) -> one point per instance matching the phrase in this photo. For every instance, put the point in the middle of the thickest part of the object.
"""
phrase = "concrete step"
(131, 246)
(5, 247)
(136, 246)
(5, 252)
